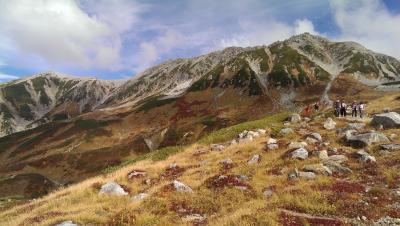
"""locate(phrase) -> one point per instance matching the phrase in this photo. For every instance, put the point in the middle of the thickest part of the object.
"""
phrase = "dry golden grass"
(228, 206)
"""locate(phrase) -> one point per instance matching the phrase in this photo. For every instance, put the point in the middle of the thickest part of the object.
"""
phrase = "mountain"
(65, 129)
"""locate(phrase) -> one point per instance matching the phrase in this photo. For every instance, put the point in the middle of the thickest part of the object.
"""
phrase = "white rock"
(286, 131)
(66, 223)
(311, 140)
(217, 147)
(365, 157)
(179, 186)
(329, 124)
(271, 141)
(306, 119)
(387, 120)
(297, 145)
(272, 146)
(112, 188)
(139, 196)
(194, 218)
(307, 175)
(300, 153)
(254, 159)
(323, 154)
(261, 131)
(294, 118)
(316, 136)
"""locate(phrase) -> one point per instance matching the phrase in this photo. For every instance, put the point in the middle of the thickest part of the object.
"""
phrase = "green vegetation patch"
(231, 132)
(154, 102)
(17, 94)
(26, 112)
(211, 79)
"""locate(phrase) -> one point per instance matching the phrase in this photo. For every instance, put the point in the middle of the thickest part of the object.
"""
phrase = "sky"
(117, 39)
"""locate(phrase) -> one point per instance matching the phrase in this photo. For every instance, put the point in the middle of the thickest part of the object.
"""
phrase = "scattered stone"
(311, 140)
(337, 167)
(286, 131)
(217, 147)
(262, 131)
(293, 174)
(393, 137)
(387, 220)
(307, 175)
(297, 145)
(306, 119)
(271, 141)
(390, 147)
(173, 165)
(355, 126)
(286, 124)
(67, 223)
(139, 196)
(318, 169)
(181, 187)
(223, 181)
(136, 174)
(336, 159)
(233, 142)
(365, 157)
(194, 218)
(300, 153)
(329, 124)
(272, 146)
(323, 154)
(387, 120)
(255, 159)
(365, 139)
(112, 188)
(294, 118)
(316, 136)
(226, 162)
(268, 192)
(247, 136)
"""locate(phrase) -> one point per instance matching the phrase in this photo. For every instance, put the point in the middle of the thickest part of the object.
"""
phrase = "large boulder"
(390, 147)
(300, 153)
(112, 188)
(329, 124)
(318, 169)
(365, 139)
(365, 157)
(387, 120)
(294, 118)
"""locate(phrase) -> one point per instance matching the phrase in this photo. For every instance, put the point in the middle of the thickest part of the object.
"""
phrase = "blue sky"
(115, 39)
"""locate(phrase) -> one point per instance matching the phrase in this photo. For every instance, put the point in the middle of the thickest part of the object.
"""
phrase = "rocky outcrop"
(387, 120)
(364, 139)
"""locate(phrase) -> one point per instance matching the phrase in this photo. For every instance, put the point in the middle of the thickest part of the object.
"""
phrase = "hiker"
(316, 106)
(343, 109)
(361, 108)
(336, 108)
(354, 109)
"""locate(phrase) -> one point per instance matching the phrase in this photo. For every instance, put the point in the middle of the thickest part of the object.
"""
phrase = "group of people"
(357, 109)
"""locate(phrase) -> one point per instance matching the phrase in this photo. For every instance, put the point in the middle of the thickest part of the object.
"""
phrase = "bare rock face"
(387, 120)
(365, 139)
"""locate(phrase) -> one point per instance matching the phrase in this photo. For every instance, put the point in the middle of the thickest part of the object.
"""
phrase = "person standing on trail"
(336, 107)
(343, 109)
(354, 109)
(361, 108)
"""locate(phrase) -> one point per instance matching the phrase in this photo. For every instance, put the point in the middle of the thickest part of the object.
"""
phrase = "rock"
(336, 159)
(261, 131)
(323, 154)
(335, 167)
(294, 118)
(268, 192)
(297, 145)
(300, 153)
(387, 221)
(271, 141)
(136, 174)
(233, 142)
(181, 187)
(226, 162)
(247, 136)
(318, 169)
(254, 159)
(355, 126)
(112, 188)
(329, 124)
(316, 136)
(307, 175)
(173, 165)
(306, 119)
(272, 146)
(387, 120)
(66, 223)
(390, 147)
(217, 147)
(365, 139)
(194, 218)
(393, 137)
(311, 140)
(286, 124)
(139, 196)
(293, 174)
(365, 157)
(286, 131)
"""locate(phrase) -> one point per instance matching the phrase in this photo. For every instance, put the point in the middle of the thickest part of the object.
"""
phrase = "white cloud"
(304, 25)
(6, 77)
(368, 22)
(60, 32)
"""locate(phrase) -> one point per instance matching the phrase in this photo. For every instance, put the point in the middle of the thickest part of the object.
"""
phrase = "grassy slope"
(229, 206)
